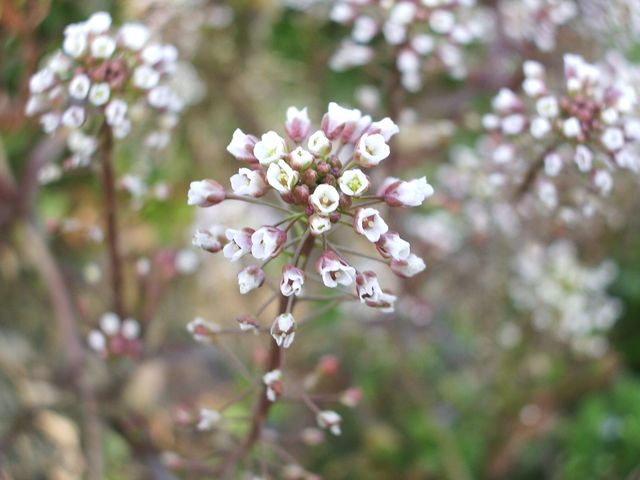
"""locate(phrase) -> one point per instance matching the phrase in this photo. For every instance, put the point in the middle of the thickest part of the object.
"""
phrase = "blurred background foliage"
(443, 398)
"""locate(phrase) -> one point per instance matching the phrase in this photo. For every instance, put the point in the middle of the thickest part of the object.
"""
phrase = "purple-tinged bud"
(298, 124)
(309, 210)
(323, 168)
(250, 278)
(310, 178)
(301, 194)
(345, 201)
(205, 193)
(334, 217)
(288, 197)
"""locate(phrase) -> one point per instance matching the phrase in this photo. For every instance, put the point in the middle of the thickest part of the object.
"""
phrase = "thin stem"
(109, 187)
(319, 312)
(340, 248)
(255, 201)
(367, 204)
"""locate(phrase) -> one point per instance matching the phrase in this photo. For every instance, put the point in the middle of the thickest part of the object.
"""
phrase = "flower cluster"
(565, 298)
(318, 177)
(592, 126)
(105, 76)
(536, 21)
(425, 35)
(115, 337)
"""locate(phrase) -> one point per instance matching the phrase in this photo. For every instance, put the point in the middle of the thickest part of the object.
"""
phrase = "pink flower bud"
(242, 145)
(409, 267)
(391, 245)
(267, 242)
(211, 240)
(407, 194)
(298, 124)
(368, 222)
(292, 280)
(250, 278)
(205, 193)
(339, 121)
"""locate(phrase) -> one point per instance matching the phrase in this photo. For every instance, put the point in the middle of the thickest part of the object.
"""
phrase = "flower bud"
(249, 183)
(329, 420)
(267, 242)
(300, 159)
(310, 178)
(409, 267)
(301, 194)
(242, 145)
(407, 194)
(390, 245)
(205, 193)
(250, 278)
(273, 383)
(298, 124)
(202, 330)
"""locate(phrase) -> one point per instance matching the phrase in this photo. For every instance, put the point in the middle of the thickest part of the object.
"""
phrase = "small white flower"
(103, 46)
(513, 124)
(212, 239)
(250, 278)
(371, 150)
(297, 124)
(248, 182)
(613, 139)
(339, 121)
(610, 116)
(79, 86)
(97, 341)
(267, 242)
(385, 127)
(334, 270)
(442, 21)
(239, 243)
(300, 158)
(145, 77)
(99, 22)
(571, 127)
(75, 44)
(73, 117)
(41, 81)
(364, 29)
(391, 245)
(241, 145)
(547, 107)
(353, 182)
(325, 199)
(134, 35)
(371, 294)
(583, 158)
(116, 111)
(205, 193)
(160, 96)
(281, 176)
(208, 418)
(505, 101)
(271, 148)
(409, 267)
(552, 164)
(283, 330)
(533, 69)
(368, 222)
(152, 54)
(319, 143)
(292, 280)
(202, 330)
(603, 182)
(540, 127)
(130, 329)
(533, 87)
(330, 420)
(99, 94)
(273, 381)
(319, 224)
(110, 324)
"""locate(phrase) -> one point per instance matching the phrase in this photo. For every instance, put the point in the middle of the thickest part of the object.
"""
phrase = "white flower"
(202, 330)
(407, 194)
(97, 341)
(160, 96)
(330, 420)
(300, 158)
(533, 69)
(391, 245)
(603, 182)
(273, 381)
(409, 267)
(99, 22)
(364, 29)
(552, 164)
(371, 294)
(59, 63)
(319, 143)
(271, 148)
(292, 280)
(250, 278)
(205, 193)
(505, 101)
(50, 122)
(324, 199)
(79, 86)
(208, 418)
(73, 117)
(75, 44)
(339, 121)
(297, 124)
(134, 35)
(248, 182)
(266, 242)
(353, 182)
(110, 324)
(368, 222)
(41, 81)
(115, 112)
(281, 176)
(385, 127)
(99, 94)
(283, 330)
(239, 243)
(571, 127)
(103, 46)
(152, 54)
(547, 107)
(130, 329)
(540, 127)
(241, 145)
(583, 158)
(334, 270)
(610, 116)
(371, 150)
(613, 139)
(533, 87)
(513, 124)
(145, 77)
(319, 224)
(442, 21)
(212, 240)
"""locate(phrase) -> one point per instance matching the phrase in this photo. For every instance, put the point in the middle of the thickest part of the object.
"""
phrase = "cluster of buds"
(590, 127)
(536, 22)
(105, 77)
(115, 337)
(320, 181)
(565, 298)
(424, 35)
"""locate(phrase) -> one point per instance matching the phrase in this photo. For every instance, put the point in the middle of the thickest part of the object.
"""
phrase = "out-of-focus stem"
(110, 204)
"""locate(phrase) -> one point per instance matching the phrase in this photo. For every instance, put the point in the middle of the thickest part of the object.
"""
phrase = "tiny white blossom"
(103, 46)
(613, 139)
(371, 150)
(208, 418)
(547, 107)
(281, 176)
(134, 35)
(300, 158)
(292, 280)
(409, 267)
(324, 199)
(283, 330)
(99, 94)
(73, 117)
(110, 323)
(202, 330)
(273, 381)
(330, 420)
(145, 77)
(319, 143)
(368, 222)
(319, 224)
(79, 86)
(250, 278)
(571, 127)
(353, 182)
(248, 182)
(271, 148)
(239, 243)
